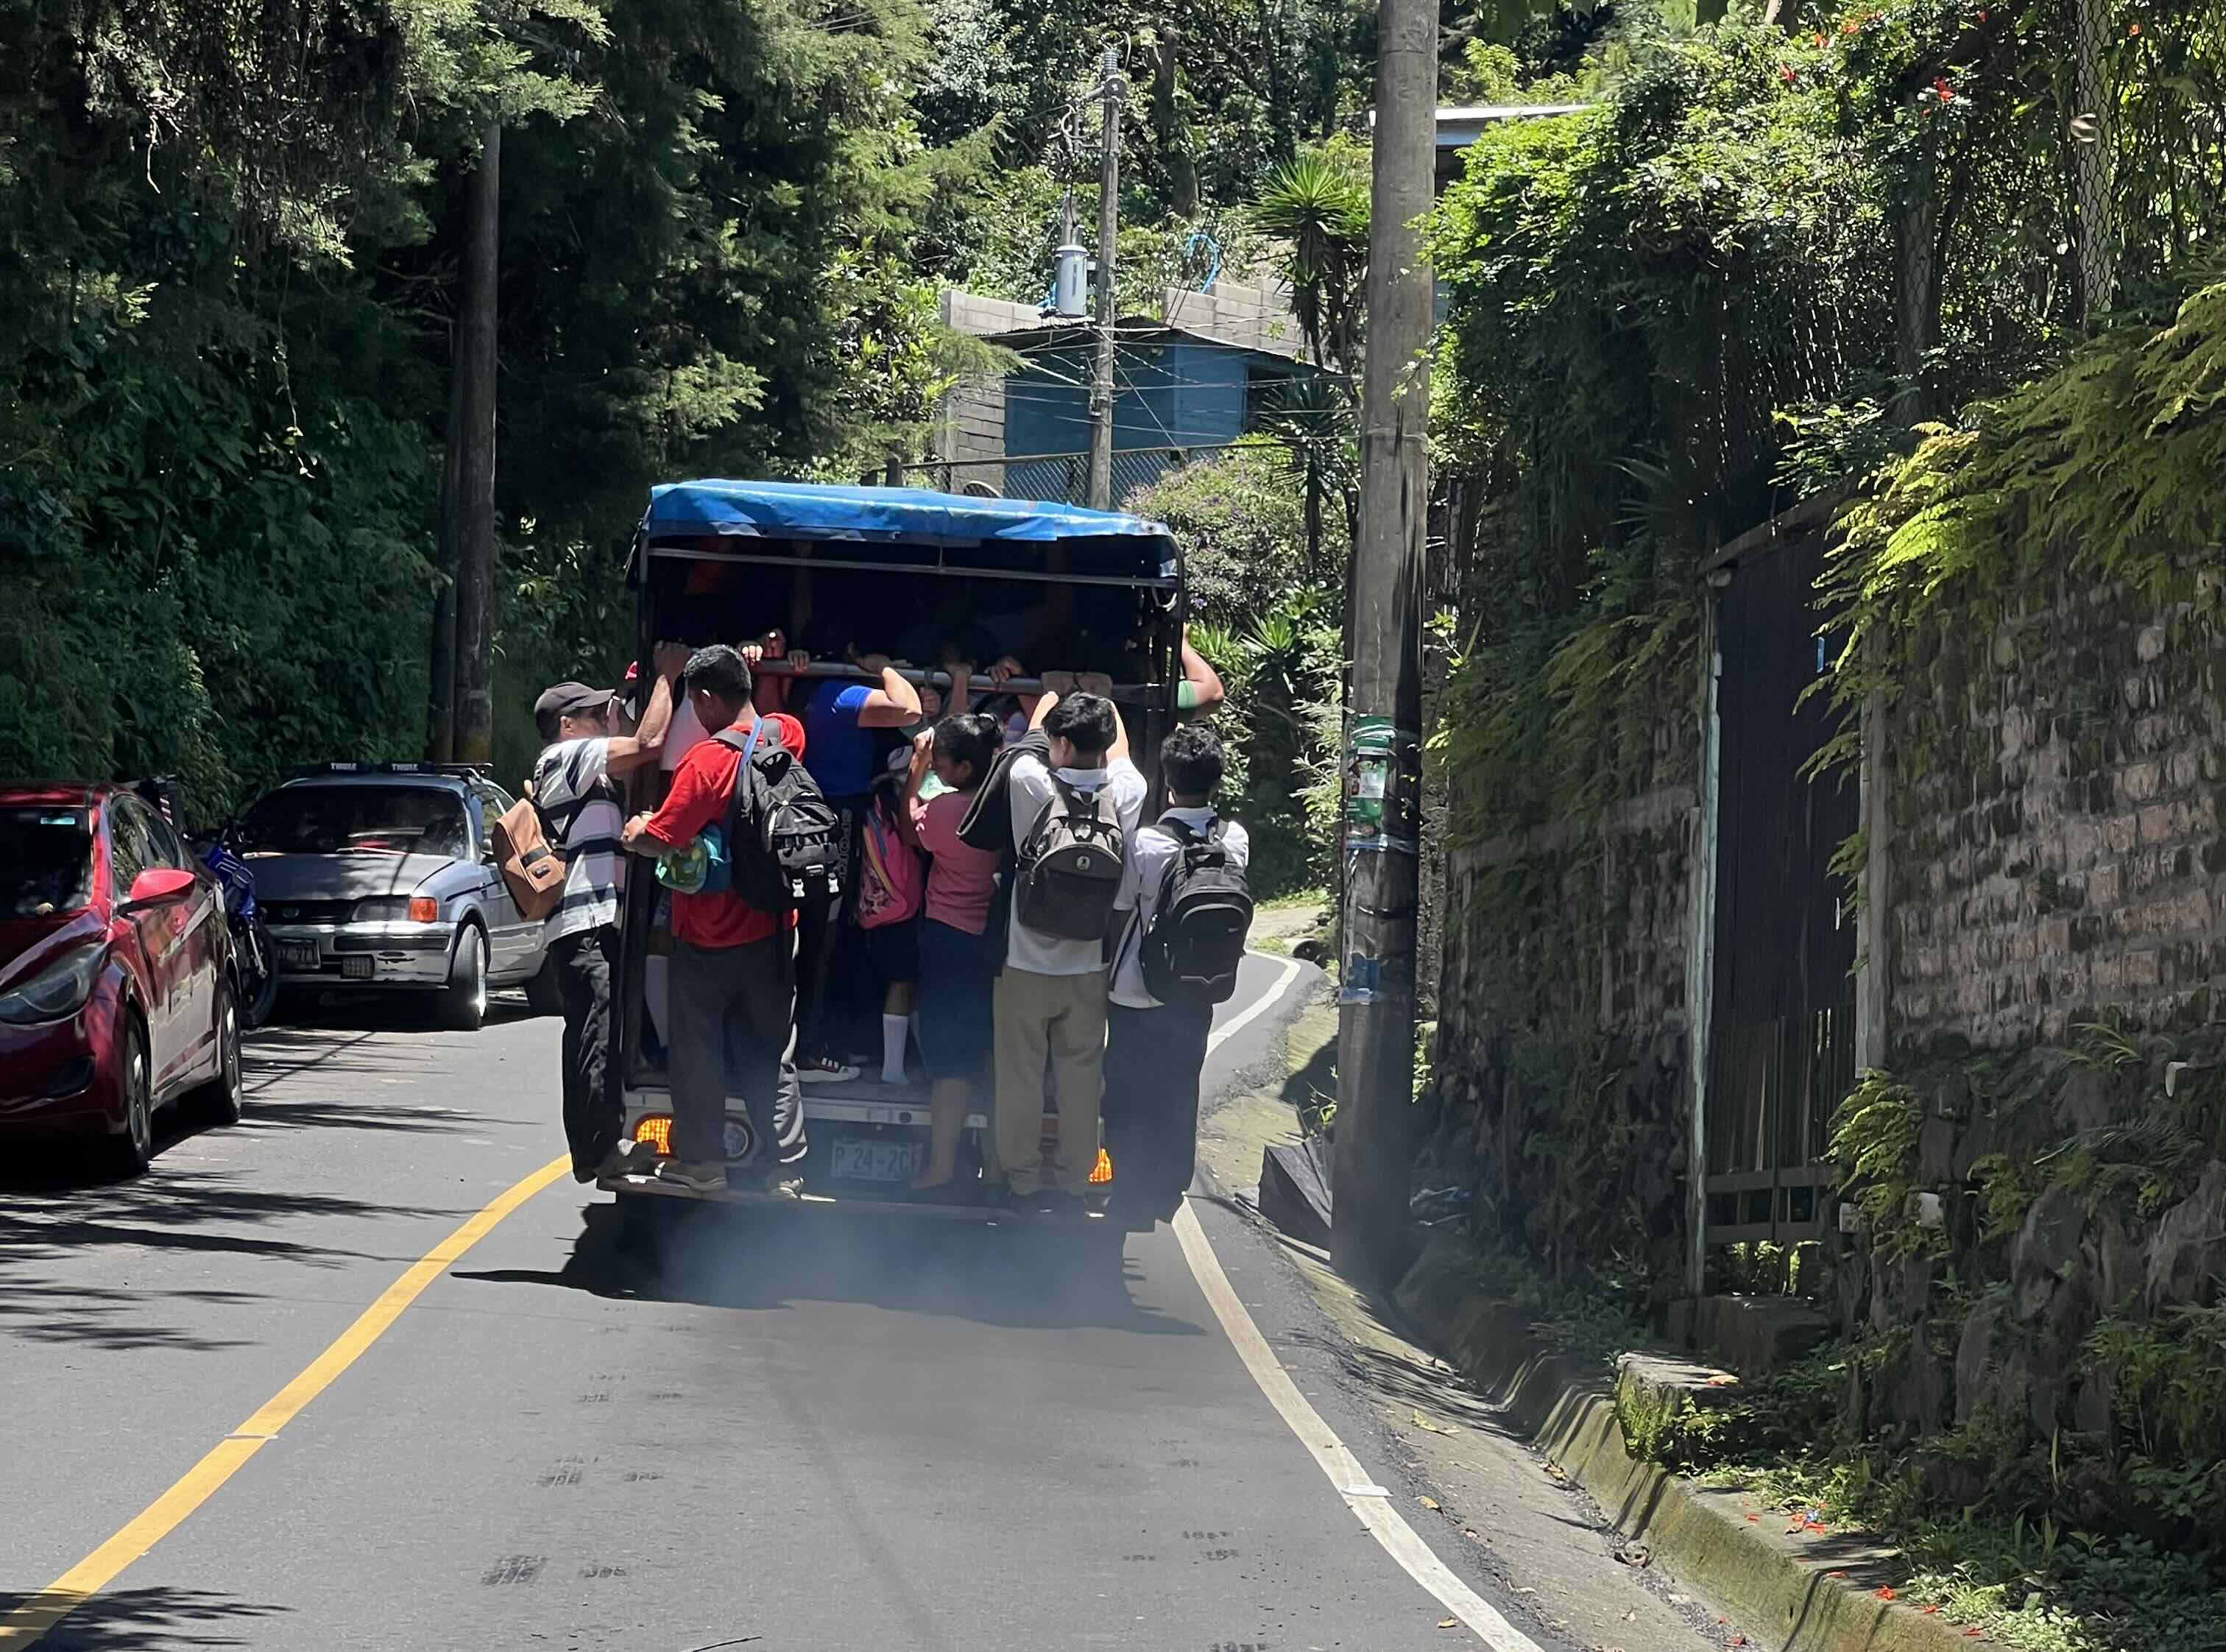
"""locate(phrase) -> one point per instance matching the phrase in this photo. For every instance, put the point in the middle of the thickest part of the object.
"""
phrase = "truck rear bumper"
(648, 1187)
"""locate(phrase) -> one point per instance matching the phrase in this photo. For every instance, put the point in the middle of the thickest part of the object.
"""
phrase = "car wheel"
(544, 995)
(463, 1002)
(218, 1101)
(132, 1150)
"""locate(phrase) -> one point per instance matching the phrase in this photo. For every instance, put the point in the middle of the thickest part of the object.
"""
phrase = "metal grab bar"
(1139, 693)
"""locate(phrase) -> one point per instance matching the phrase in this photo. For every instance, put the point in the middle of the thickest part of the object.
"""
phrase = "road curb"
(1778, 1587)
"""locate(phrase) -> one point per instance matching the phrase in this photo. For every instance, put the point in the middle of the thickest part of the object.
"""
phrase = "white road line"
(1370, 1503)
(1259, 1007)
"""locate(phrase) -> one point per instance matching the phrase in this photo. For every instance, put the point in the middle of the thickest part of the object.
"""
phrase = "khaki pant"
(1056, 1021)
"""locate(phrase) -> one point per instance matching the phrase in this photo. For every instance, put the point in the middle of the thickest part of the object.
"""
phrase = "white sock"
(893, 1028)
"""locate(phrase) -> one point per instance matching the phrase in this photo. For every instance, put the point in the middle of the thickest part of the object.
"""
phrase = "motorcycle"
(254, 956)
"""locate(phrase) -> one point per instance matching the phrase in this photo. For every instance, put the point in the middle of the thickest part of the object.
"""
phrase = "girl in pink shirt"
(957, 957)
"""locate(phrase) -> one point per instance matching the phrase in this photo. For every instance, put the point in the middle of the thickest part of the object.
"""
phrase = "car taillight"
(423, 909)
(657, 1130)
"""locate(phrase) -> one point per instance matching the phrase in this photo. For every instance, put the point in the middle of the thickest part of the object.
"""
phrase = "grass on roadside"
(1992, 1563)
(2025, 1579)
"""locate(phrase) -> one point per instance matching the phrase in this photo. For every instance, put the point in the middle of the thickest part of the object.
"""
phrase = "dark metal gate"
(1782, 1015)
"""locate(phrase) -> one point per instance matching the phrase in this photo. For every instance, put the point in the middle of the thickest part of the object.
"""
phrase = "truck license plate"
(298, 954)
(358, 968)
(864, 1160)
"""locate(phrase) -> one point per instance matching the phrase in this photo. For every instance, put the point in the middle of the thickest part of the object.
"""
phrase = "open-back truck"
(1090, 591)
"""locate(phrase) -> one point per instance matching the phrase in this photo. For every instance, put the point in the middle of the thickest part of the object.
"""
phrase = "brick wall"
(2055, 787)
(1561, 1013)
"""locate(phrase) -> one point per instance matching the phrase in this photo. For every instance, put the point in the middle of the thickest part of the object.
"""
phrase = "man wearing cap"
(573, 786)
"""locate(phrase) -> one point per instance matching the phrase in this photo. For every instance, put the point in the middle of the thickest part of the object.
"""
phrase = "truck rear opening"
(926, 580)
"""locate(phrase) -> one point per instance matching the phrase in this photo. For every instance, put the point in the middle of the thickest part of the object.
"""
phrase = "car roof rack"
(454, 770)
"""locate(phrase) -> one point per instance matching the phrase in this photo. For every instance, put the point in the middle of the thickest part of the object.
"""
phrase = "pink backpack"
(893, 880)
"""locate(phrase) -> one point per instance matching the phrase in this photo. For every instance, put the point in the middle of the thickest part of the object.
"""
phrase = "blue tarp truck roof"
(906, 515)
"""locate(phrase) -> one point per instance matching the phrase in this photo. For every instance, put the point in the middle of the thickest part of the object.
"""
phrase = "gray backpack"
(1069, 870)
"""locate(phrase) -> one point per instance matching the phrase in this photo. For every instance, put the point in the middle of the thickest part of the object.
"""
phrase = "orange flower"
(1820, 43)
(1785, 73)
(2132, 30)
(1886, 1594)
(1942, 90)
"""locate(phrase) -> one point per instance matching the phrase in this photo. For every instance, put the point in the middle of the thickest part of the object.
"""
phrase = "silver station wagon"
(382, 876)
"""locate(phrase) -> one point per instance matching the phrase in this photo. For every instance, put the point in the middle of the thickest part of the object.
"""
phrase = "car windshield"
(355, 820)
(46, 860)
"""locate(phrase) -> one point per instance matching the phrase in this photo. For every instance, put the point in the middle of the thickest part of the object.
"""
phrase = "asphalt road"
(799, 1429)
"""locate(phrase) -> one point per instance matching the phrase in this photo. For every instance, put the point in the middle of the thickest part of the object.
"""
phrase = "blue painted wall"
(1180, 394)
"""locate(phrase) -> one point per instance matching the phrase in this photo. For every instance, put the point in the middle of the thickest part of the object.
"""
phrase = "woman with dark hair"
(957, 953)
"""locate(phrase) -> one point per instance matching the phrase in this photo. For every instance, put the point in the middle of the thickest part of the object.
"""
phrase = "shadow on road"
(376, 1010)
(48, 1226)
(1028, 1277)
(147, 1620)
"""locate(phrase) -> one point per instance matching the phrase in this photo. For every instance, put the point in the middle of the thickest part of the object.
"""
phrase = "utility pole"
(1382, 763)
(2089, 133)
(1109, 208)
(442, 739)
(473, 436)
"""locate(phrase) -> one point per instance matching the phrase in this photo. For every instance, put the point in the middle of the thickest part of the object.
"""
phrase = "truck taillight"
(1102, 1172)
(657, 1130)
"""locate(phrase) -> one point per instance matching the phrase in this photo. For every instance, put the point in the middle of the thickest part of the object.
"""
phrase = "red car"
(116, 985)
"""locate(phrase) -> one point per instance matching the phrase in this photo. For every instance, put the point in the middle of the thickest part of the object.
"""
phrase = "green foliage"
(1317, 207)
(1632, 290)
(1874, 1135)
(1242, 520)
(2039, 490)
(228, 265)
(1280, 731)
(1591, 1321)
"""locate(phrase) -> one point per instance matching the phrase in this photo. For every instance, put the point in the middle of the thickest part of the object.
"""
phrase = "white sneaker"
(825, 1070)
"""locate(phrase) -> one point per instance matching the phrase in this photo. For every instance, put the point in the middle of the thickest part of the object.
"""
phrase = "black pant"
(823, 928)
(1153, 1059)
(586, 960)
(731, 1009)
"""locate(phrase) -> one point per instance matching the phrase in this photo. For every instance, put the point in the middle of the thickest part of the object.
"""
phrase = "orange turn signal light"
(657, 1130)
(1102, 1172)
(423, 909)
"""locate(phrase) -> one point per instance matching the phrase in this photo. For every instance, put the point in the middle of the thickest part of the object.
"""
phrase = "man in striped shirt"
(575, 786)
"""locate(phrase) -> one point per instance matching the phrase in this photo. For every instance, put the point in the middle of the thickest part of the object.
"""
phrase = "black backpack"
(1069, 870)
(784, 839)
(1192, 951)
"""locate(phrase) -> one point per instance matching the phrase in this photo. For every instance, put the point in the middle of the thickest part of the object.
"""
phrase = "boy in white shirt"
(1155, 1050)
(1050, 1001)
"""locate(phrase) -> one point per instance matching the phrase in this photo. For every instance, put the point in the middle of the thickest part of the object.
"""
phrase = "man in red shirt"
(732, 992)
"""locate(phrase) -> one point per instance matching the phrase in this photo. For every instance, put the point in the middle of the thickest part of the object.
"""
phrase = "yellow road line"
(30, 1622)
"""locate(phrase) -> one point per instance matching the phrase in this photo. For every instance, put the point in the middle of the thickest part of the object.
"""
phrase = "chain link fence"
(1058, 477)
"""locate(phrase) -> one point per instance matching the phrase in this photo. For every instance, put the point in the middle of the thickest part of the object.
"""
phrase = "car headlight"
(59, 989)
(397, 909)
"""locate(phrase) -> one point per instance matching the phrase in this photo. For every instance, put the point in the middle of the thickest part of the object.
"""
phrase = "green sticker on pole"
(1369, 749)
(1377, 807)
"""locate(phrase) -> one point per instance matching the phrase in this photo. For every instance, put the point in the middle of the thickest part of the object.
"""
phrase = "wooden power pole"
(1382, 764)
(471, 439)
(1109, 208)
